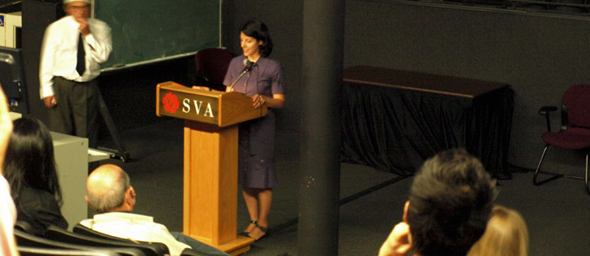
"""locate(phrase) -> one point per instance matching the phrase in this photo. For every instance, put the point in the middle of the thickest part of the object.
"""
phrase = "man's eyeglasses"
(76, 8)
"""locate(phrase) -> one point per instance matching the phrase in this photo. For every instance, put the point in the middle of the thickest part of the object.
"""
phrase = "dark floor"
(557, 213)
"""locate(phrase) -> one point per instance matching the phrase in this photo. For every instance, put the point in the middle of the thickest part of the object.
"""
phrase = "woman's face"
(250, 46)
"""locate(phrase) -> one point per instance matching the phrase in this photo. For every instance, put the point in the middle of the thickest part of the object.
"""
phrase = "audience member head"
(108, 189)
(29, 159)
(506, 235)
(449, 205)
(257, 29)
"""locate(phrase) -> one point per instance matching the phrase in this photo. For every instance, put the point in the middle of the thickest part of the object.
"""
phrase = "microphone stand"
(246, 70)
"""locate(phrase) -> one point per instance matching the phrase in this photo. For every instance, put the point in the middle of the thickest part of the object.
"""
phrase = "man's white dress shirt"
(60, 48)
(135, 227)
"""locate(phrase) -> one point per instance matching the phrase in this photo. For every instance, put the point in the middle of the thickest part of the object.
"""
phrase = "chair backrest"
(576, 101)
(24, 239)
(81, 229)
(58, 234)
(212, 64)
(24, 226)
(32, 251)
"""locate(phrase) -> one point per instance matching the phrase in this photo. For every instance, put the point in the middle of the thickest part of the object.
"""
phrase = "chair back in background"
(211, 65)
(577, 101)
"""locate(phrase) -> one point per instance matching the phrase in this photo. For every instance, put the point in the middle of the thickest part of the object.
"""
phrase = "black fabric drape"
(395, 130)
(489, 130)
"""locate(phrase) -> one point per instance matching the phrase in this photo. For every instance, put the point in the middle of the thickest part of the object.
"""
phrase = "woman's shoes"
(244, 233)
(262, 229)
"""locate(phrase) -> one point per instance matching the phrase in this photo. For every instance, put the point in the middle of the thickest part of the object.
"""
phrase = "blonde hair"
(506, 235)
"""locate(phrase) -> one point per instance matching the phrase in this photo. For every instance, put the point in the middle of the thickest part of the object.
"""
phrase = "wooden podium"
(210, 160)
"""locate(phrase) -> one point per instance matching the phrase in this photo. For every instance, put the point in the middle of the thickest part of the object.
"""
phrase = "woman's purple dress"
(256, 140)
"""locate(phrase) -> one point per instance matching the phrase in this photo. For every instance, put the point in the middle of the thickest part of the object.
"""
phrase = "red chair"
(574, 133)
(211, 65)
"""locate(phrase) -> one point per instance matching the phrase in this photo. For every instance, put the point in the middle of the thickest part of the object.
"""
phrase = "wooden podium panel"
(210, 160)
(210, 185)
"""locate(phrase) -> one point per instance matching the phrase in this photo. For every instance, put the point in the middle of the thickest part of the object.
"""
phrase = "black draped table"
(393, 120)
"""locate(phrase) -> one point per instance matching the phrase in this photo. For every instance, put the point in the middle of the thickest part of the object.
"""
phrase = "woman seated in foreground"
(506, 235)
(30, 170)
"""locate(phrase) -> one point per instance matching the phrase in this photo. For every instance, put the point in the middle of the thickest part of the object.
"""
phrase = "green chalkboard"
(144, 31)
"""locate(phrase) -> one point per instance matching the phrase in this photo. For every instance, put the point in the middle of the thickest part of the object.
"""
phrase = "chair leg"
(539, 166)
(586, 178)
(554, 175)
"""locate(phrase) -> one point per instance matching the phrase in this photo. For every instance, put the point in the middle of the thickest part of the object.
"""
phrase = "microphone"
(249, 65)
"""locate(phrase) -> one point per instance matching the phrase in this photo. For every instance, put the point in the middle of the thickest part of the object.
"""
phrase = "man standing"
(73, 47)
(112, 197)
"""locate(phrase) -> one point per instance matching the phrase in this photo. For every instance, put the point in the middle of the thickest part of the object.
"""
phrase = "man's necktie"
(81, 64)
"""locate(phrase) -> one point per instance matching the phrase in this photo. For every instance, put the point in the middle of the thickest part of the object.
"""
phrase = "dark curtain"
(395, 130)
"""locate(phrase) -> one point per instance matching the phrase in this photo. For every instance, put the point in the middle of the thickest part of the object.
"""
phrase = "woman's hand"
(258, 100)
(398, 243)
(276, 101)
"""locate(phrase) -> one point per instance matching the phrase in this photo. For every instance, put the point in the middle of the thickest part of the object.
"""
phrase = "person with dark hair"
(263, 81)
(110, 194)
(450, 203)
(30, 170)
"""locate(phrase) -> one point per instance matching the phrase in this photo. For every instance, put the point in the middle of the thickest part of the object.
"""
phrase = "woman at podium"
(260, 77)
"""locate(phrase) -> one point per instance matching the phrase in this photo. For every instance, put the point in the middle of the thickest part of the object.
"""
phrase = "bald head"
(108, 189)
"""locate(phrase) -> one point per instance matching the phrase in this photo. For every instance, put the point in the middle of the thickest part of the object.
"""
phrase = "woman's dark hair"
(29, 159)
(257, 29)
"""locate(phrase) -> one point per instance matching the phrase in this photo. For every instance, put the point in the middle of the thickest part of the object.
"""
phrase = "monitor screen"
(12, 78)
